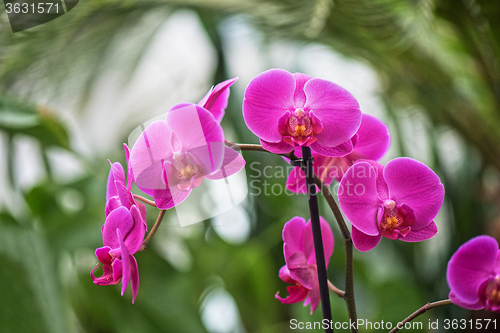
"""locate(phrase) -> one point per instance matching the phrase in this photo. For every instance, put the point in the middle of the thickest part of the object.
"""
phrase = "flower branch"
(420, 311)
(335, 290)
(146, 201)
(153, 230)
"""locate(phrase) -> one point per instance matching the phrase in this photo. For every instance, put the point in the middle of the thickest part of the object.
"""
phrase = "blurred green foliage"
(440, 57)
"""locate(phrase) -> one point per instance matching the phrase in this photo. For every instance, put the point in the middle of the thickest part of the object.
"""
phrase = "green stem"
(420, 311)
(153, 230)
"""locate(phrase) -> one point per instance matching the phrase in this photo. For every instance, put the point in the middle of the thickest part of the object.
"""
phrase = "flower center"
(396, 221)
(186, 166)
(492, 294)
(300, 127)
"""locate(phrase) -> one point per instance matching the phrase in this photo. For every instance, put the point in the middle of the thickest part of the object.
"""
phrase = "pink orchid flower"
(398, 201)
(371, 142)
(173, 156)
(215, 100)
(288, 110)
(122, 236)
(473, 275)
(119, 193)
(300, 257)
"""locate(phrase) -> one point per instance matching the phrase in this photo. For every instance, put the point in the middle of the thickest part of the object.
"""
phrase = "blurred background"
(74, 89)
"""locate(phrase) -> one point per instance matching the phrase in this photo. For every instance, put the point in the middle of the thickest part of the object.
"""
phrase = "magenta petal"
(103, 256)
(232, 163)
(284, 274)
(421, 234)
(337, 109)
(134, 277)
(292, 235)
(363, 242)
(308, 242)
(106, 278)
(328, 240)
(121, 219)
(300, 270)
(358, 197)
(199, 134)
(296, 181)
(117, 270)
(130, 177)
(267, 97)
(415, 184)
(471, 265)
(299, 97)
(277, 147)
(340, 150)
(125, 262)
(115, 173)
(134, 238)
(111, 205)
(373, 138)
(153, 146)
(172, 198)
(314, 296)
(295, 294)
(216, 99)
(471, 306)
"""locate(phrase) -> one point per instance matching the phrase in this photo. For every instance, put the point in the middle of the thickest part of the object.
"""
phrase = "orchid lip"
(300, 127)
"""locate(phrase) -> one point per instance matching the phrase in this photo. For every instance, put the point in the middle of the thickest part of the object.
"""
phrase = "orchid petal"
(216, 99)
(276, 147)
(299, 97)
(340, 150)
(415, 184)
(115, 173)
(420, 235)
(314, 295)
(125, 262)
(120, 218)
(471, 306)
(232, 163)
(267, 97)
(295, 294)
(134, 278)
(373, 138)
(358, 197)
(199, 134)
(470, 266)
(299, 269)
(134, 238)
(292, 235)
(284, 274)
(337, 109)
(153, 146)
(363, 242)
(296, 181)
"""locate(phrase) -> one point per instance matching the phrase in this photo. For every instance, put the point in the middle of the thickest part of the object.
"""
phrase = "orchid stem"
(420, 311)
(146, 201)
(317, 238)
(153, 230)
(335, 290)
(346, 235)
(348, 246)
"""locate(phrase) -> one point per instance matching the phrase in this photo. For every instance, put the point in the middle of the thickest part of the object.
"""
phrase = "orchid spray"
(316, 126)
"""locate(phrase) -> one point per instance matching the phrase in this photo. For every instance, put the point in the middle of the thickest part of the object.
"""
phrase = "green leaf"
(18, 117)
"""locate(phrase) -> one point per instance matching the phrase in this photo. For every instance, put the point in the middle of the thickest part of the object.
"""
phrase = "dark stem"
(318, 240)
(420, 311)
(348, 246)
(153, 230)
